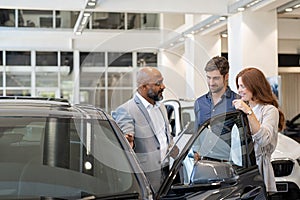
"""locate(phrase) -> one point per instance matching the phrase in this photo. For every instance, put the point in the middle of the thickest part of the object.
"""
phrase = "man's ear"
(226, 77)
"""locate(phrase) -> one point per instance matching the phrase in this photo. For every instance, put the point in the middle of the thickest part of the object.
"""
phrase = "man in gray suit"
(143, 120)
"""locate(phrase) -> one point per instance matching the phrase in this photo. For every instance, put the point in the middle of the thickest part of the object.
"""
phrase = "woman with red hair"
(265, 119)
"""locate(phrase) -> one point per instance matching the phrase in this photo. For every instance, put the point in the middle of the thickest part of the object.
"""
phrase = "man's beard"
(216, 90)
(155, 96)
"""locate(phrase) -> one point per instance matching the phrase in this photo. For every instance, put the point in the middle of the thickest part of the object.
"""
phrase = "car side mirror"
(206, 171)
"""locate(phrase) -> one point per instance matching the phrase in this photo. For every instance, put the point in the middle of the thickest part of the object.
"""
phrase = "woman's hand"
(239, 104)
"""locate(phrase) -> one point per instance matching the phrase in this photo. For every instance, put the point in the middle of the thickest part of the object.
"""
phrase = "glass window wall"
(1, 79)
(7, 17)
(36, 18)
(18, 92)
(18, 78)
(118, 96)
(1, 57)
(66, 63)
(67, 19)
(46, 58)
(46, 79)
(149, 59)
(92, 59)
(66, 72)
(119, 59)
(142, 21)
(106, 79)
(105, 20)
(18, 58)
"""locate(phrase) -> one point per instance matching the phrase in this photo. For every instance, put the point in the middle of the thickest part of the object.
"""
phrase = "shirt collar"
(146, 103)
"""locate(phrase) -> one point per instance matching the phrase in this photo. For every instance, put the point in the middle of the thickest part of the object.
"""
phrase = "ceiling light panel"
(288, 7)
(241, 5)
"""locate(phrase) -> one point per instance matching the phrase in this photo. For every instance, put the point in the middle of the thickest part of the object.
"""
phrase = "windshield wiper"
(126, 196)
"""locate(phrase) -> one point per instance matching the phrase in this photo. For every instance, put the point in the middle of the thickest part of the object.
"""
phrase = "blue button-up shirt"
(204, 107)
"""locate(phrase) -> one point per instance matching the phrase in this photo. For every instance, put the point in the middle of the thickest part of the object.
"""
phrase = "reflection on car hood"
(286, 148)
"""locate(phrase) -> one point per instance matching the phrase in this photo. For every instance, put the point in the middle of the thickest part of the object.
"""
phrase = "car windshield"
(62, 157)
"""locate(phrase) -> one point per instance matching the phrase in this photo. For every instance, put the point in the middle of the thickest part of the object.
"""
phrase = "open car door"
(225, 168)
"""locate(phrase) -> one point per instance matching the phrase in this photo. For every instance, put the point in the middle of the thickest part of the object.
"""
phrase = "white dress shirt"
(158, 123)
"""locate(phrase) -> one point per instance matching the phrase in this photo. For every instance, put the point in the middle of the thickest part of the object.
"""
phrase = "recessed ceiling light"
(222, 18)
(91, 3)
(86, 14)
(224, 35)
(241, 9)
(297, 6)
(288, 9)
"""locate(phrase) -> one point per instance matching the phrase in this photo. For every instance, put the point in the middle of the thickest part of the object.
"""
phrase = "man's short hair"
(218, 63)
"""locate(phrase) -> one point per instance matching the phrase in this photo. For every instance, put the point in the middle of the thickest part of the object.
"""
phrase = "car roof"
(184, 103)
(43, 107)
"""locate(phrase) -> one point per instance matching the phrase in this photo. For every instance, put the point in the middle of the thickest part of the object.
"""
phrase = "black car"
(51, 149)
(225, 139)
(293, 128)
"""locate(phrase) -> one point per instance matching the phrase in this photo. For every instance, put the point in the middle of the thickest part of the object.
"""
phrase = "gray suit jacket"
(133, 117)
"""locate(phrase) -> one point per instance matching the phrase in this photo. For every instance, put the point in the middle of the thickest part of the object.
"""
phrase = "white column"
(189, 55)
(76, 77)
(33, 74)
(252, 41)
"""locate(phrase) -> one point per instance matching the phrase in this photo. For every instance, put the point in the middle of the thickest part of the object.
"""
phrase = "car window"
(174, 127)
(76, 157)
(222, 139)
(188, 117)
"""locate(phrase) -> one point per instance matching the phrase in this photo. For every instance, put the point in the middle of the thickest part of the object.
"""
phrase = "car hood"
(286, 148)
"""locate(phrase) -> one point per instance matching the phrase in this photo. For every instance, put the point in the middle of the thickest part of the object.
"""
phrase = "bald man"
(144, 121)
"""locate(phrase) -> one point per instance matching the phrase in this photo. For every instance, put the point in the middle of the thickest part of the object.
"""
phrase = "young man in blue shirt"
(219, 97)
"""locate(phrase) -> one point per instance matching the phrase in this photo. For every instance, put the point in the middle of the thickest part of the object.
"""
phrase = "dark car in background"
(51, 149)
(293, 128)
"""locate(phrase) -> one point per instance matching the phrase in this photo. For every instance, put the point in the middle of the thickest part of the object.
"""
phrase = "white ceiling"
(213, 7)
(162, 6)
(207, 7)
